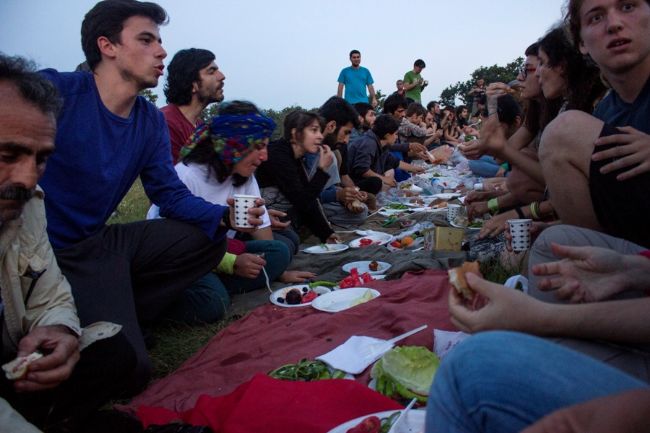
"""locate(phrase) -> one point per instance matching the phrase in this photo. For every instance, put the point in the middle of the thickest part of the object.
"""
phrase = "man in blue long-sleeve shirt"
(109, 136)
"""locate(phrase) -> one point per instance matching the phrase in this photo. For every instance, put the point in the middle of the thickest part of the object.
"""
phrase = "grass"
(175, 342)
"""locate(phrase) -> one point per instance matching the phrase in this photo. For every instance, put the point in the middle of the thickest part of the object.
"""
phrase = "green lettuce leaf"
(409, 369)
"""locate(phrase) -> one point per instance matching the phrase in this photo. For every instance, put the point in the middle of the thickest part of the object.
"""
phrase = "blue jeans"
(505, 381)
(485, 166)
(208, 299)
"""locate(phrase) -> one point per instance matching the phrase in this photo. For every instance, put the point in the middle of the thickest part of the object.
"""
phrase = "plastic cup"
(520, 232)
(478, 187)
(242, 204)
(452, 211)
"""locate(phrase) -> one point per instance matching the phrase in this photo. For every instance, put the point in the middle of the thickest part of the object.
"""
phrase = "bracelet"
(520, 213)
(535, 211)
(493, 205)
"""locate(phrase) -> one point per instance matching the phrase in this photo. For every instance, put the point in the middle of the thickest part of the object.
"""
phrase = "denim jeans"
(208, 299)
(505, 381)
(485, 166)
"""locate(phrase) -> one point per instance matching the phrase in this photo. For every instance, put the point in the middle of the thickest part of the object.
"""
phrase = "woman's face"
(551, 78)
(248, 164)
(312, 137)
(530, 88)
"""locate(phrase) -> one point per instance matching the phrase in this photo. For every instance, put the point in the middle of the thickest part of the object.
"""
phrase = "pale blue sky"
(280, 53)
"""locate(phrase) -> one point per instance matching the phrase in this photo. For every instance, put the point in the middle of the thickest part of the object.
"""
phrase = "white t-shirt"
(195, 177)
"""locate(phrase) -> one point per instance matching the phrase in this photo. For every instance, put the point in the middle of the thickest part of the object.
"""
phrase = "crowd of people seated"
(569, 149)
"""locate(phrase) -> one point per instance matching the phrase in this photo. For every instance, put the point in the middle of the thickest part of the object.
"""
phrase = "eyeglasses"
(525, 70)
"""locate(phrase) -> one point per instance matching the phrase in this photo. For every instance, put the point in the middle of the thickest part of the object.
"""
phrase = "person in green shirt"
(414, 83)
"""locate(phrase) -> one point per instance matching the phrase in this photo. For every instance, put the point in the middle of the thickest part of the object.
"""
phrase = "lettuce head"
(406, 372)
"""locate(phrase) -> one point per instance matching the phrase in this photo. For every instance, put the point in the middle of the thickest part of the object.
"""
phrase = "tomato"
(396, 244)
(366, 277)
(365, 242)
(372, 424)
(309, 296)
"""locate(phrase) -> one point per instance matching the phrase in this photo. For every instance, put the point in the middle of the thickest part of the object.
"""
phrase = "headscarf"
(233, 136)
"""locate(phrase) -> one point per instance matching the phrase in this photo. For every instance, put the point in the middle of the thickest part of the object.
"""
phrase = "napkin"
(356, 354)
(445, 341)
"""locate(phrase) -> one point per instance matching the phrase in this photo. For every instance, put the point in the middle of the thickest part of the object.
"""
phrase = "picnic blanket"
(268, 405)
(271, 336)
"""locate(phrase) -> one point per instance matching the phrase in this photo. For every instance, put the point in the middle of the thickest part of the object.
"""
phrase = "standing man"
(108, 136)
(193, 82)
(414, 83)
(355, 79)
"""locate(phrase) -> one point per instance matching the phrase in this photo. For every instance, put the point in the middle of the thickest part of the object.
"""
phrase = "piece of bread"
(458, 280)
(17, 368)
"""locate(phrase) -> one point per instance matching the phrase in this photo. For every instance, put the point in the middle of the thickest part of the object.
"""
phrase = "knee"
(569, 137)
(207, 301)
(559, 234)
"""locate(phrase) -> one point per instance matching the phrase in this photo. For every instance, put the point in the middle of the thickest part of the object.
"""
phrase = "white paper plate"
(413, 421)
(326, 249)
(340, 300)
(417, 242)
(447, 195)
(362, 266)
(281, 293)
(459, 226)
(377, 238)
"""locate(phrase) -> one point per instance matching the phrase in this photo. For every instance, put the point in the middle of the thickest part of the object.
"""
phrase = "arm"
(372, 95)
(410, 167)
(591, 274)
(339, 91)
(626, 412)
(622, 321)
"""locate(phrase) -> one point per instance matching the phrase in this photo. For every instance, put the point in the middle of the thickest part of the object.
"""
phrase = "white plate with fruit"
(299, 295)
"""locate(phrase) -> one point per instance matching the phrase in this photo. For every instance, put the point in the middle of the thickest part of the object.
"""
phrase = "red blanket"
(272, 336)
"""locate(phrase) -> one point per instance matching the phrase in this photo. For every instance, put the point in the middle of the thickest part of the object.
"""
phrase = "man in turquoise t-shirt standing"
(414, 83)
(355, 79)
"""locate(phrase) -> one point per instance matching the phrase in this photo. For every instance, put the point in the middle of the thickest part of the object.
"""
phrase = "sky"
(290, 52)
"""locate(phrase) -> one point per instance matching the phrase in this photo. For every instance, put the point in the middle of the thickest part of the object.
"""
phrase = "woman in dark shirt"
(285, 183)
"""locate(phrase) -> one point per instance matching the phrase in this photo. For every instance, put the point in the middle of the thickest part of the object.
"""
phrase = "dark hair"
(415, 108)
(432, 105)
(420, 63)
(393, 102)
(107, 18)
(583, 77)
(354, 52)
(533, 49)
(385, 124)
(183, 72)
(204, 154)
(340, 111)
(299, 120)
(32, 86)
(363, 108)
(572, 20)
(460, 109)
(508, 109)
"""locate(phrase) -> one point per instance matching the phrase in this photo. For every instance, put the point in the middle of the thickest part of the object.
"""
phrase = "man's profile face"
(399, 113)
(355, 59)
(209, 88)
(26, 140)
(343, 136)
(369, 118)
(139, 54)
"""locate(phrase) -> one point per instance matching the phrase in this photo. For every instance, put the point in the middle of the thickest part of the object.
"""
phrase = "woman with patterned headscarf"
(217, 162)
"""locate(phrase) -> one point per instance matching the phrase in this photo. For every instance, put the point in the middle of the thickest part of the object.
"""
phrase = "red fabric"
(272, 336)
(275, 406)
(645, 253)
(179, 127)
(236, 247)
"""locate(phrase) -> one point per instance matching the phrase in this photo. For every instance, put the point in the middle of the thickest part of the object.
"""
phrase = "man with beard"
(193, 82)
(108, 137)
(59, 390)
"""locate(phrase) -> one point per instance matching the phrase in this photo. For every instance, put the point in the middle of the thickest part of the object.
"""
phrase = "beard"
(16, 194)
